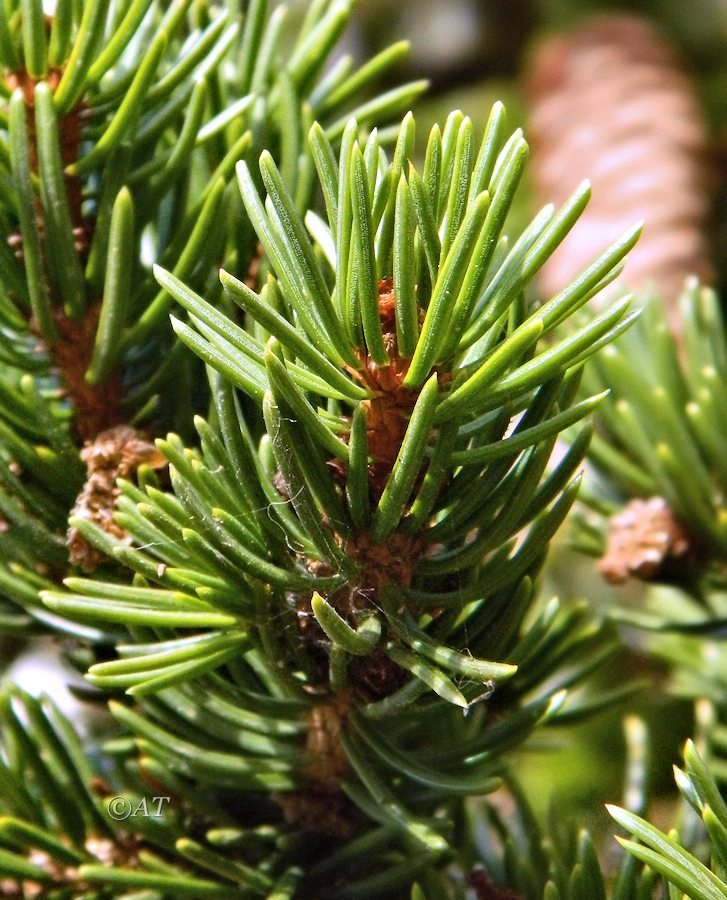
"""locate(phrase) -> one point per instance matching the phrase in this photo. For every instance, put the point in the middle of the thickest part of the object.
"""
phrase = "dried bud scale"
(115, 453)
(642, 538)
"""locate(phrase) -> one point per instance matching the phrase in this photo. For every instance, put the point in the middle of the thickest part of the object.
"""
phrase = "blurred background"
(632, 96)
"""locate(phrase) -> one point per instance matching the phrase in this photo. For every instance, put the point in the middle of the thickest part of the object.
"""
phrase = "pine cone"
(611, 102)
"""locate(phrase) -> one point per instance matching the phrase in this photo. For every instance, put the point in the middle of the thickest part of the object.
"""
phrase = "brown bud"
(642, 537)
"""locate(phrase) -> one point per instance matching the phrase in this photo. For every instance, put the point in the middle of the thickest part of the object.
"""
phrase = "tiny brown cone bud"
(642, 538)
(610, 101)
(115, 453)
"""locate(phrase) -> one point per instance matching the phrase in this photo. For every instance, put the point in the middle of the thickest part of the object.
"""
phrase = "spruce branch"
(65, 830)
(355, 552)
(119, 131)
(313, 608)
(658, 513)
(659, 445)
(399, 404)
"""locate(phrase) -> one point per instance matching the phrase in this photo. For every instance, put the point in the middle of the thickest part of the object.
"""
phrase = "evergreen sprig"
(301, 434)
(323, 361)
(65, 826)
(120, 127)
(661, 424)
(313, 608)
(658, 436)
(354, 544)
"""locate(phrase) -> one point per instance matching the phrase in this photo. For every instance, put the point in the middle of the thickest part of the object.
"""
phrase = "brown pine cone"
(610, 101)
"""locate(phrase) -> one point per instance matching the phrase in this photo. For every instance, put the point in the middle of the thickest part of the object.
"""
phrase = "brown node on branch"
(98, 407)
(321, 806)
(642, 539)
(320, 810)
(375, 676)
(388, 411)
(115, 453)
(610, 101)
(392, 562)
(371, 677)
